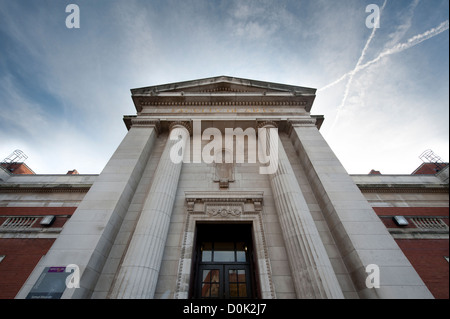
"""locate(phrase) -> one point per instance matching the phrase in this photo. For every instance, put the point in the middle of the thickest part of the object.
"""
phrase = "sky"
(383, 91)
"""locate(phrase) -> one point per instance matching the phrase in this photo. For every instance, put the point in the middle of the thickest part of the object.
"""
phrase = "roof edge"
(223, 78)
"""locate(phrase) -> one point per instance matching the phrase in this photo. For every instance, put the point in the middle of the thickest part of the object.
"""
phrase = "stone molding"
(399, 188)
(142, 102)
(139, 122)
(299, 122)
(44, 189)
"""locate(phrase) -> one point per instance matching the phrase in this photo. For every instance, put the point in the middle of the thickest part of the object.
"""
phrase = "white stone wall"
(423, 190)
(42, 194)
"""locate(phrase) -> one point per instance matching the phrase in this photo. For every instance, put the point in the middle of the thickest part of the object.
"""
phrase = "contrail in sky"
(352, 73)
(395, 49)
(409, 44)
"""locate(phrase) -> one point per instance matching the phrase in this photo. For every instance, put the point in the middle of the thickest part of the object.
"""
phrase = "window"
(223, 251)
(18, 222)
(429, 223)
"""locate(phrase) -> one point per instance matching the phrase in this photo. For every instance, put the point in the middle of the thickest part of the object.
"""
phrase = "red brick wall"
(412, 211)
(23, 254)
(427, 257)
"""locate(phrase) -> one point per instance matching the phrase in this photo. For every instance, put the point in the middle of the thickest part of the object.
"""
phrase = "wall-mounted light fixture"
(400, 221)
(47, 220)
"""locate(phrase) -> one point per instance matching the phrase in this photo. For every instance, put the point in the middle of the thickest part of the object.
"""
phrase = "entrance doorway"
(224, 262)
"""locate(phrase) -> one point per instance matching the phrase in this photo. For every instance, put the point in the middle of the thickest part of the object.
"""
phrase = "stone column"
(139, 271)
(89, 234)
(361, 237)
(311, 269)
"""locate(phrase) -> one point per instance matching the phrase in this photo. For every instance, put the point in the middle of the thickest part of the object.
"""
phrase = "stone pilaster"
(361, 237)
(311, 269)
(139, 271)
(87, 237)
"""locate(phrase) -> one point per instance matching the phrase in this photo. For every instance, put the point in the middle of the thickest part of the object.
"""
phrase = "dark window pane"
(234, 290)
(206, 252)
(232, 275)
(241, 250)
(241, 275)
(242, 290)
(211, 275)
(214, 290)
(206, 290)
(224, 252)
(215, 275)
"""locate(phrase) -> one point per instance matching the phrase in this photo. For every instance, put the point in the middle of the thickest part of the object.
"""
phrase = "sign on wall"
(50, 285)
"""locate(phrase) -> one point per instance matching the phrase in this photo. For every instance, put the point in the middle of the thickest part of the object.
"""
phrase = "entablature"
(223, 122)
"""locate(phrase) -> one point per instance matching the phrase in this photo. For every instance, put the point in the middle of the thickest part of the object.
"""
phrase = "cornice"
(45, 188)
(402, 188)
(139, 122)
(143, 102)
(221, 82)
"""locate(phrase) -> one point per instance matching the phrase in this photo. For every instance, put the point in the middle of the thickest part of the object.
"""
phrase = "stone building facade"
(222, 188)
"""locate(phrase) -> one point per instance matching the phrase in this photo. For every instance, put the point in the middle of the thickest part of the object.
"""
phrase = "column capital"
(262, 124)
(186, 124)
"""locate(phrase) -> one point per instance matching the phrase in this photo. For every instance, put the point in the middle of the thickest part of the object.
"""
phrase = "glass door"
(237, 282)
(224, 266)
(226, 281)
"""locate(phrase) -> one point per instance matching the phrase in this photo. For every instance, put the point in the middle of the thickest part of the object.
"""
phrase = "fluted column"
(359, 234)
(311, 269)
(139, 271)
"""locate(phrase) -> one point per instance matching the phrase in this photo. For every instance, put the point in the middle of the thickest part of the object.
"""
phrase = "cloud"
(74, 84)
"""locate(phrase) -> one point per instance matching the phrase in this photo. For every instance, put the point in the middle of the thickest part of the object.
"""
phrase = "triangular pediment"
(222, 84)
(223, 91)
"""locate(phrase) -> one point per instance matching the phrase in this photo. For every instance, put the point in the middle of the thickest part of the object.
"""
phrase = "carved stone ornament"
(224, 211)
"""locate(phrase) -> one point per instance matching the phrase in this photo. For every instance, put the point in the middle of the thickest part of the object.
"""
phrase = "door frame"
(220, 207)
(220, 232)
